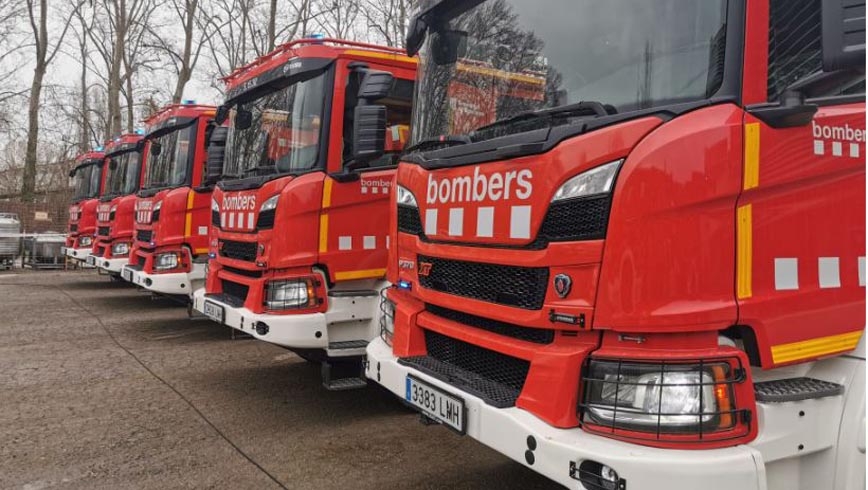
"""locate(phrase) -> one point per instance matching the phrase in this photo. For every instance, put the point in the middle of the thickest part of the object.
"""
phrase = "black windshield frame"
(729, 89)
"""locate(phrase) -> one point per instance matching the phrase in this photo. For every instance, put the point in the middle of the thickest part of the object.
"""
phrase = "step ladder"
(340, 375)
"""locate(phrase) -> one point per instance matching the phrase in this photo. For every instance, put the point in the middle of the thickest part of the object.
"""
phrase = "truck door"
(354, 225)
(801, 215)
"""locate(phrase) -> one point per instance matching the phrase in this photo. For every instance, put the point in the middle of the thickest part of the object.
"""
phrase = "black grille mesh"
(235, 291)
(102, 231)
(576, 219)
(522, 287)
(73, 227)
(265, 220)
(238, 250)
(496, 378)
(144, 235)
(409, 220)
(536, 335)
(215, 218)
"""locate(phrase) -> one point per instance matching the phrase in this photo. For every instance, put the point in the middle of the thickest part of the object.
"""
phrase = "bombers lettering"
(239, 203)
(845, 133)
(479, 187)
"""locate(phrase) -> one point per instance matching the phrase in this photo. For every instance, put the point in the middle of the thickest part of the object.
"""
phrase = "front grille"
(576, 219)
(238, 250)
(496, 378)
(266, 220)
(522, 287)
(535, 335)
(73, 227)
(409, 220)
(243, 272)
(103, 231)
(236, 292)
(215, 218)
(144, 235)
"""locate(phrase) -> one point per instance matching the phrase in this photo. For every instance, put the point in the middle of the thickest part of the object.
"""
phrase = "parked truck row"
(623, 245)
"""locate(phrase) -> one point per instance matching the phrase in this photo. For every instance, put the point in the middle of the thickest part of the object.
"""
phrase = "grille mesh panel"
(536, 335)
(496, 378)
(409, 220)
(576, 219)
(103, 231)
(238, 250)
(266, 220)
(237, 293)
(522, 287)
(144, 235)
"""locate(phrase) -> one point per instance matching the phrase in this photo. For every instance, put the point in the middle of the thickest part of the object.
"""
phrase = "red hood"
(239, 210)
(83, 215)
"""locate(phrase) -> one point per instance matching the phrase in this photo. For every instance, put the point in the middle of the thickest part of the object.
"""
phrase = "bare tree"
(388, 19)
(338, 18)
(45, 53)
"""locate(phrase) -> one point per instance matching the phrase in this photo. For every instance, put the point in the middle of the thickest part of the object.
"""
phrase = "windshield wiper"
(446, 141)
(259, 168)
(590, 108)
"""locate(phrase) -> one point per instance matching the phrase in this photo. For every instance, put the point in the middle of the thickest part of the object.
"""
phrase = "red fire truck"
(171, 241)
(653, 276)
(300, 218)
(89, 180)
(115, 212)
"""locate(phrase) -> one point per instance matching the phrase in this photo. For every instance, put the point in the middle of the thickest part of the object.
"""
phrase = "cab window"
(399, 104)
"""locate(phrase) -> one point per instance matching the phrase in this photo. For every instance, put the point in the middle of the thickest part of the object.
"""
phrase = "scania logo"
(563, 284)
(424, 269)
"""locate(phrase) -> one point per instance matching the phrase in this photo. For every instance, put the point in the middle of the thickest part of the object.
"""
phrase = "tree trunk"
(84, 134)
(272, 25)
(28, 183)
(131, 120)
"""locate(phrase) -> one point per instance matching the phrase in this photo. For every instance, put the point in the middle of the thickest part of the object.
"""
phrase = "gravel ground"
(103, 387)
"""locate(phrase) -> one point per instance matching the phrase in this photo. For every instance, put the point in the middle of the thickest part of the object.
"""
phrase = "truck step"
(343, 375)
(795, 389)
(348, 344)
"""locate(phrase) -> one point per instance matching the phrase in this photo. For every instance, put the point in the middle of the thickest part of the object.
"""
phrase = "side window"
(795, 47)
(796, 51)
(399, 104)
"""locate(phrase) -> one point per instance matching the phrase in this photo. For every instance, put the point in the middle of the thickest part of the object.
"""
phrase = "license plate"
(214, 311)
(437, 404)
(127, 274)
(90, 260)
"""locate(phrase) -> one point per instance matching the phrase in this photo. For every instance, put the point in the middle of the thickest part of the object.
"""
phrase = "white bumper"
(507, 431)
(179, 283)
(79, 254)
(305, 331)
(112, 266)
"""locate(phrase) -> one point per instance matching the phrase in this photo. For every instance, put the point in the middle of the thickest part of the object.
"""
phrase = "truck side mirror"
(369, 133)
(216, 156)
(243, 119)
(376, 85)
(447, 46)
(140, 146)
(156, 148)
(843, 34)
(416, 35)
(221, 115)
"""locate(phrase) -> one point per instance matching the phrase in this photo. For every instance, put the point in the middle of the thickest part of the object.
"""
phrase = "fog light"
(85, 241)
(597, 476)
(290, 294)
(261, 328)
(120, 248)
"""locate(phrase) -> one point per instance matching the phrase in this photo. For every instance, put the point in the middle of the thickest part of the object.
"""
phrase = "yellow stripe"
(324, 217)
(751, 155)
(368, 274)
(384, 56)
(744, 252)
(200, 251)
(188, 224)
(816, 347)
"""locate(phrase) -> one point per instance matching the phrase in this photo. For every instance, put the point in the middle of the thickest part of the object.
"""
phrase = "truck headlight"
(155, 213)
(406, 198)
(664, 398)
(121, 248)
(166, 261)
(270, 204)
(387, 319)
(289, 294)
(85, 241)
(598, 180)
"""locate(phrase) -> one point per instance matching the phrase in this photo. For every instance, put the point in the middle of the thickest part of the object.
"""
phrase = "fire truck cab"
(648, 270)
(116, 209)
(88, 181)
(170, 249)
(300, 217)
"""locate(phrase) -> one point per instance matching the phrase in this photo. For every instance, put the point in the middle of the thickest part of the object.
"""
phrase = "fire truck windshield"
(169, 159)
(123, 173)
(277, 133)
(493, 60)
(86, 180)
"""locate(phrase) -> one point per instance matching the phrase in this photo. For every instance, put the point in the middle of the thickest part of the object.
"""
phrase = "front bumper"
(508, 431)
(79, 254)
(175, 283)
(302, 331)
(112, 266)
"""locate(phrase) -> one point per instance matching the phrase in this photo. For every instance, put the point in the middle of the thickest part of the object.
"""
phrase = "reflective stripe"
(744, 252)
(822, 346)
(365, 274)
(751, 155)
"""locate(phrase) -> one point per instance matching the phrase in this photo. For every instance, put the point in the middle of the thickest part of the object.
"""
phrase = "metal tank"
(10, 239)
